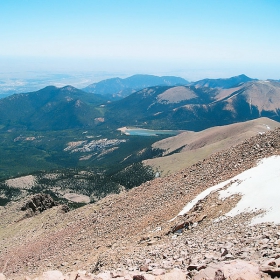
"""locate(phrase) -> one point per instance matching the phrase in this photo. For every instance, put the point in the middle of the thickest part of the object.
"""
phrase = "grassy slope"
(195, 146)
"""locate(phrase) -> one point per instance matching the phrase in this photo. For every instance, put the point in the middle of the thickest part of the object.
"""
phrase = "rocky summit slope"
(134, 234)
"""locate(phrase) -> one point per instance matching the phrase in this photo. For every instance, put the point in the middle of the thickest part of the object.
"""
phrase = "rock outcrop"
(39, 203)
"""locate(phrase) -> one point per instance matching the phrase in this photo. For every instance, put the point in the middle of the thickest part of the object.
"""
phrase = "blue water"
(150, 132)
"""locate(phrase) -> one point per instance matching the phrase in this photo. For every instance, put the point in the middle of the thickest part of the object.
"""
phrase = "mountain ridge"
(199, 108)
(50, 108)
(189, 147)
(160, 107)
(117, 88)
(223, 82)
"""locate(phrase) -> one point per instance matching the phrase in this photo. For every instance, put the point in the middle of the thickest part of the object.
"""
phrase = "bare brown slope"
(265, 95)
(262, 97)
(176, 95)
(99, 235)
(195, 146)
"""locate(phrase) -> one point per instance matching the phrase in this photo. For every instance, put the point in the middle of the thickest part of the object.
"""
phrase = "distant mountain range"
(196, 108)
(117, 88)
(185, 107)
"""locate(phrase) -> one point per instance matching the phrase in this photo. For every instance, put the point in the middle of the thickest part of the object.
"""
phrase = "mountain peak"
(223, 82)
(243, 76)
(69, 88)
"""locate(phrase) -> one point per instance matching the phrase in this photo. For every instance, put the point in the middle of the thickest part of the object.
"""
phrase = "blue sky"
(192, 39)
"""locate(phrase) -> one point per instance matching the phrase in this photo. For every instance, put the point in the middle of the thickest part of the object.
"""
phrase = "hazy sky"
(194, 39)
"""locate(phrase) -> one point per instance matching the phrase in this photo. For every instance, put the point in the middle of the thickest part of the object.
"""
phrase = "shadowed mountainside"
(50, 108)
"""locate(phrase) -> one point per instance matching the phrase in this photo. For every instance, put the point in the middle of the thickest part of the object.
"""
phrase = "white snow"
(259, 187)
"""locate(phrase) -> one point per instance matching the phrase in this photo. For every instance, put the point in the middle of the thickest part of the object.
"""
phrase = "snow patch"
(259, 187)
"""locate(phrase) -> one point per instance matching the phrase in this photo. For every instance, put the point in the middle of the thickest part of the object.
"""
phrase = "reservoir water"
(147, 132)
